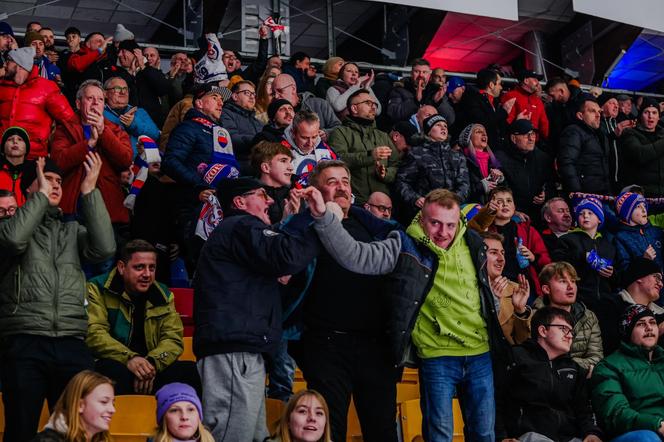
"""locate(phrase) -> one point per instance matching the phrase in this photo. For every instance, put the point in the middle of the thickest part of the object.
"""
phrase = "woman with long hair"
(483, 167)
(179, 415)
(264, 96)
(306, 419)
(350, 81)
(83, 412)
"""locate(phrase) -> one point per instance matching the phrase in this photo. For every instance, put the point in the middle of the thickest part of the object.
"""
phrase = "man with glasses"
(237, 305)
(8, 204)
(380, 205)
(132, 119)
(628, 386)
(527, 169)
(545, 397)
(239, 119)
(558, 281)
(284, 86)
(368, 151)
(254, 71)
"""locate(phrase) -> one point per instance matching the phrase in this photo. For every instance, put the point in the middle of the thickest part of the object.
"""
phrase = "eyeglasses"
(381, 208)
(8, 211)
(369, 103)
(657, 276)
(567, 330)
(118, 89)
(247, 92)
(281, 90)
(257, 192)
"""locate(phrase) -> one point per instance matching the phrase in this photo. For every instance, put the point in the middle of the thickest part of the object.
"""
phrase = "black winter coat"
(237, 302)
(583, 160)
(403, 103)
(475, 107)
(547, 397)
(527, 175)
(242, 126)
(269, 133)
(642, 159)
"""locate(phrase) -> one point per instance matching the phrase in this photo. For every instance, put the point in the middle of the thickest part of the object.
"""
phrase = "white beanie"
(122, 34)
(211, 67)
(24, 57)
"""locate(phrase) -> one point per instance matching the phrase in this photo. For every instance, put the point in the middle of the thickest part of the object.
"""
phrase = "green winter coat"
(42, 286)
(110, 325)
(353, 143)
(628, 390)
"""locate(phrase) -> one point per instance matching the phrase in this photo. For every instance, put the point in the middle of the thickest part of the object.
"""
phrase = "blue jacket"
(189, 145)
(632, 241)
(237, 302)
(142, 124)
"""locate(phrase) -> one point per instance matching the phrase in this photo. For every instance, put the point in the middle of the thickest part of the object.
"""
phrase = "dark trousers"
(338, 365)
(35, 368)
(178, 371)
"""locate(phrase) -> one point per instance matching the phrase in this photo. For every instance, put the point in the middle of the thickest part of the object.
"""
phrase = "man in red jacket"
(30, 102)
(528, 104)
(88, 131)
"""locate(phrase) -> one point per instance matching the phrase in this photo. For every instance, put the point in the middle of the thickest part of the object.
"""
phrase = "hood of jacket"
(290, 138)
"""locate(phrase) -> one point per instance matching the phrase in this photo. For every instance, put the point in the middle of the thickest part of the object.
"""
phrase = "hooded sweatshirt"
(450, 322)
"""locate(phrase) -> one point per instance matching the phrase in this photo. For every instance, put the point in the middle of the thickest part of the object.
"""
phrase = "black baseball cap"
(521, 127)
(523, 74)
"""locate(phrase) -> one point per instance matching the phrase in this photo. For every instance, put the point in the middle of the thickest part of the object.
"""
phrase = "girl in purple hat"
(179, 415)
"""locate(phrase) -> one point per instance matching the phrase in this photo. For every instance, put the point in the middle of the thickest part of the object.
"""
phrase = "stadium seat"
(188, 352)
(411, 421)
(134, 419)
(273, 410)
(184, 304)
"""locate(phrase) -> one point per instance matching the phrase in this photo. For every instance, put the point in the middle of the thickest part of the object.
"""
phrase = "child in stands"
(179, 415)
(306, 419)
(83, 412)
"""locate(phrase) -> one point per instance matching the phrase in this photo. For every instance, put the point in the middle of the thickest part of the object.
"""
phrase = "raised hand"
(44, 185)
(92, 167)
(521, 294)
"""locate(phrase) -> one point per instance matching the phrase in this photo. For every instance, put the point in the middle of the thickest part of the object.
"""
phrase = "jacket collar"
(155, 295)
(230, 106)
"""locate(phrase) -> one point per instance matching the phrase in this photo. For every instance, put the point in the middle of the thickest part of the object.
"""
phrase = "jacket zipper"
(57, 283)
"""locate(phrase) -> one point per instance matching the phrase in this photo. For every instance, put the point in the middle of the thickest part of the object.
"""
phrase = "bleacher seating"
(134, 419)
(184, 304)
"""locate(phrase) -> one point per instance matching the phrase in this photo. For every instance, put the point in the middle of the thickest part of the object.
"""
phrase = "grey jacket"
(42, 286)
(328, 119)
(242, 125)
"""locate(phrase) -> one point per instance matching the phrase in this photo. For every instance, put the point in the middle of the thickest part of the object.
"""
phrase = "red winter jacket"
(83, 59)
(33, 106)
(534, 104)
(10, 179)
(69, 148)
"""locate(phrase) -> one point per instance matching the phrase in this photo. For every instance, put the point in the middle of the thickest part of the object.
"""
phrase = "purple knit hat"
(626, 203)
(176, 392)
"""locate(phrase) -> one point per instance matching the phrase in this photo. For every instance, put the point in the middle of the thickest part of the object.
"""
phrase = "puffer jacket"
(10, 179)
(632, 242)
(34, 106)
(431, 166)
(549, 397)
(110, 322)
(531, 102)
(353, 142)
(69, 148)
(627, 390)
(583, 160)
(141, 125)
(587, 346)
(642, 159)
(243, 126)
(42, 286)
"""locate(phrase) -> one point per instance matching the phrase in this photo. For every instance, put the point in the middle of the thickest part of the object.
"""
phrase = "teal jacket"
(42, 286)
(628, 390)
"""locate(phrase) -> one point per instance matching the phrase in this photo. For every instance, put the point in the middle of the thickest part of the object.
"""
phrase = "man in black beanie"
(280, 114)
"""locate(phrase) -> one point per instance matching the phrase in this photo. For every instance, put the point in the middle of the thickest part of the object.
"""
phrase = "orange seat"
(188, 352)
(274, 408)
(411, 421)
(135, 418)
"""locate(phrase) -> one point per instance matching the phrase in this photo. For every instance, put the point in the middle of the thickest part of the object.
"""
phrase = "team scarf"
(139, 170)
(211, 66)
(209, 217)
(303, 163)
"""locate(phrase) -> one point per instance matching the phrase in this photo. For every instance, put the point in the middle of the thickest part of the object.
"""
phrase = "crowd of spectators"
(507, 243)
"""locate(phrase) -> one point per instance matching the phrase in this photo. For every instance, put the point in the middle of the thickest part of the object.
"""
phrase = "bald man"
(380, 205)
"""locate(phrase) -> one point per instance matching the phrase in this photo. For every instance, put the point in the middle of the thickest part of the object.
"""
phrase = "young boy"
(15, 149)
(273, 166)
(520, 238)
(592, 255)
(635, 235)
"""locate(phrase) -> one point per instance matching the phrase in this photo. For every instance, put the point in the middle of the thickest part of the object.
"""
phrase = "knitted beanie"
(24, 57)
(122, 34)
(629, 318)
(592, 204)
(626, 203)
(465, 135)
(176, 392)
(431, 121)
(32, 36)
(15, 130)
(274, 107)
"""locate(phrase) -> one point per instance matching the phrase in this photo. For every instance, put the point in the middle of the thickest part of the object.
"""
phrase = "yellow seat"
(274, 408)
(188, 352)
(411, 421)
(135, 418)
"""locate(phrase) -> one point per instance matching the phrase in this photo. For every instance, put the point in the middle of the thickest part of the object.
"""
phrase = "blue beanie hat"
(592, 204)
(626, 203)
(453, 83)
(176, 392)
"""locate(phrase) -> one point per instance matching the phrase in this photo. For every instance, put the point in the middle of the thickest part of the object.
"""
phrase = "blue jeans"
(638, 436)
(472, 378)
(282, 372)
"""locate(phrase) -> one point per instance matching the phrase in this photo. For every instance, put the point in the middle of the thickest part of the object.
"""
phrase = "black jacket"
(560, 116)
(573, 247)
(145, 89)
(269, 133)
(237, 303)
(642, 159)
(547, 397)
(527, 175)
(475, 107)
(583, 160)
(403, 103)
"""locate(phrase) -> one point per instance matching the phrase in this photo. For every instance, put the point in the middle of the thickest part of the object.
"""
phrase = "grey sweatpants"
(234, 396)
